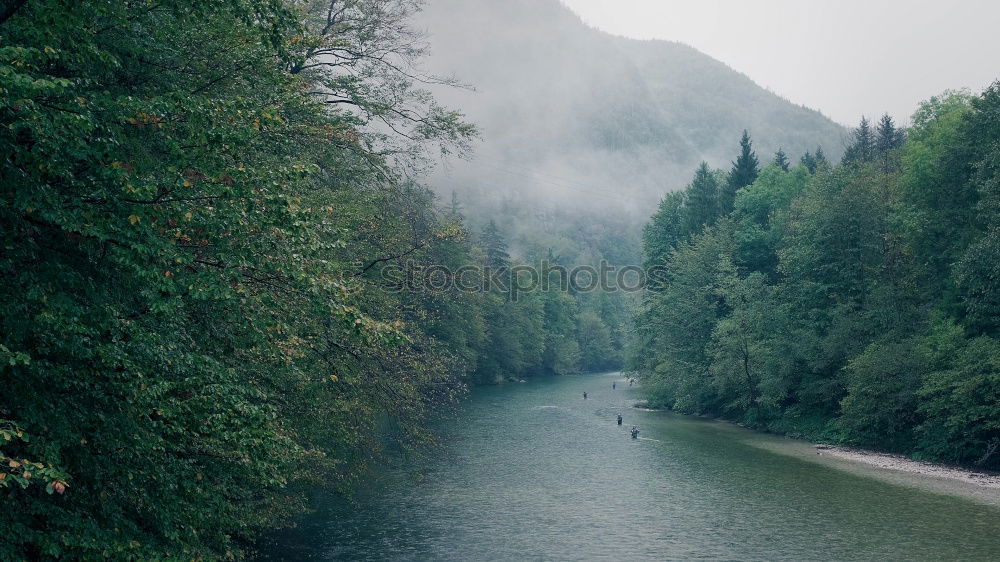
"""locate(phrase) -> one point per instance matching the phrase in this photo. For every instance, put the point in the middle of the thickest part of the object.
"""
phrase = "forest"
(198, 200)
(852, 302)
(196, 197)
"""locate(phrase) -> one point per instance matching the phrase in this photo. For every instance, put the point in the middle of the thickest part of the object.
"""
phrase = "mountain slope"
(576, 117)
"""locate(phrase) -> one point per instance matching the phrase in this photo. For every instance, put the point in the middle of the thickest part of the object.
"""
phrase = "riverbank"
(905, 464)
(977, 485)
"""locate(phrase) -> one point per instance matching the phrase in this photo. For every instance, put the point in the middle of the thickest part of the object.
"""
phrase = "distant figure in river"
(635, 432)
(584, 395)
(613, 383)
(619, 419)
(630, 383)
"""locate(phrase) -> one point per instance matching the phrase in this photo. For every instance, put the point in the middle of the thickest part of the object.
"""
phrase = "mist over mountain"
(577, 119)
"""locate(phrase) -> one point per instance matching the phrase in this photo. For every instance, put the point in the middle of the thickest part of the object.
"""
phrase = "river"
(532, 471)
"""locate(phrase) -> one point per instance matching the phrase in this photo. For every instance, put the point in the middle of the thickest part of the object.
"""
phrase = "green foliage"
(781, 160)
(862, 148)
(665, 229)
(702, 201)
(192, 334)
(855, 303)
(743, 173)
(880, 408)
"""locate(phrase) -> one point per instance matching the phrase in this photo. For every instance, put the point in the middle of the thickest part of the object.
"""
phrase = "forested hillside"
(576, 118)
(581, 132)
(855, 302)
(195, 331)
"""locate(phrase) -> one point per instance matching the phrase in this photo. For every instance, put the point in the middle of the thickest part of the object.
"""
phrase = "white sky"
(843, 57)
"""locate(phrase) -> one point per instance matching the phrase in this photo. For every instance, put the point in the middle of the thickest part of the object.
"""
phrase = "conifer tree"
(820, 157)
(862, 148)
(495, 245)
(702, 199)
(744, 172)
(781, 159)
(888, 137)
(809, 161)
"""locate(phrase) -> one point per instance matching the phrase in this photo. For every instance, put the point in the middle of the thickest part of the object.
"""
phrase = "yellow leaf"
(187, 183)
(188, 216)
(133, 219)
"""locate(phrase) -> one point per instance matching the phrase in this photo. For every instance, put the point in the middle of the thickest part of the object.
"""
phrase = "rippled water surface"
(533, 471)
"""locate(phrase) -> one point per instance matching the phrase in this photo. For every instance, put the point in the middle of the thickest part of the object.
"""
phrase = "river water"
(532, 471)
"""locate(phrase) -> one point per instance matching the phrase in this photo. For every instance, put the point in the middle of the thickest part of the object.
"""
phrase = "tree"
(781, 160)
(665, 229)
(595, 341)
(820, 158)
(495, 247)
(854, 303)
(862, 147)
(677, 322)
(743, 173)
(888, 140)
(939, 200)
(737, 346)
(959, 398)
(887, 136)
(880, 408)
(190, 333)
(364, 55)
(702, 200)
(809, 161)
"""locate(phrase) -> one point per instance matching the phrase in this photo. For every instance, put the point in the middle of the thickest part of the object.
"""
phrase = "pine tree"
(862, 148)
(744, 172)
(809, 161)
(888, 138)
(495, 246)
(820, 157)
(702, 200)
(781, 160)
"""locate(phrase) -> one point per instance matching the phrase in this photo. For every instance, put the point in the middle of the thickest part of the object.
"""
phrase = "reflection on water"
(533, 471)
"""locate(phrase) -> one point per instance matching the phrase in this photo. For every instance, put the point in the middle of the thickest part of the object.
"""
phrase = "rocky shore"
(906, 464)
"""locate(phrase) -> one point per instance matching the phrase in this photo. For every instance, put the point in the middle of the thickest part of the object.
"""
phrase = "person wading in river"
(619, 419)
(635, 432)
(613, 383)
(584, 395)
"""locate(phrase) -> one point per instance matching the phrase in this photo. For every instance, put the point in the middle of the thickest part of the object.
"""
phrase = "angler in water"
(619, 419)
(584, 395)
(635, 432)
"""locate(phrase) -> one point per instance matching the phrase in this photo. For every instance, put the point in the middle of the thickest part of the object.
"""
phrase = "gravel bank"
(905, 464)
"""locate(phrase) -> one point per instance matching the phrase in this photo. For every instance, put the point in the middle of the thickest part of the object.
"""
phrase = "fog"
(844, 57)
(575, 118)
